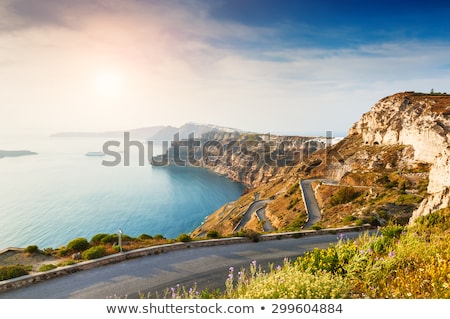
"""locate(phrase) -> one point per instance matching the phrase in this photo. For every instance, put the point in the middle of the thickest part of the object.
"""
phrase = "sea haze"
(60, 194)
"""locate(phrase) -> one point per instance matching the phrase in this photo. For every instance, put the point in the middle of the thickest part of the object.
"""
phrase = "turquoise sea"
(60, 194)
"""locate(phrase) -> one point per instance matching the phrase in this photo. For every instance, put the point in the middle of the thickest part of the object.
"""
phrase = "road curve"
(309, 198)
(257, 204)
(206, 266)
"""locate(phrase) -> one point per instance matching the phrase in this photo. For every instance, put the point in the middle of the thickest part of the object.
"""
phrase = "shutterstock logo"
(246, 149)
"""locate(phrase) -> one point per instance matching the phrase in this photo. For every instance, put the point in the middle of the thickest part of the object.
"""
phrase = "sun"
(108, 83)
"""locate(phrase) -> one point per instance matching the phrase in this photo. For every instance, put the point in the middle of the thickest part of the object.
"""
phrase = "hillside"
(392, 166)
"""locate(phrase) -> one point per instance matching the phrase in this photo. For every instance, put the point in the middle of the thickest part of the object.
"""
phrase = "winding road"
(207, 266)
(309, 198)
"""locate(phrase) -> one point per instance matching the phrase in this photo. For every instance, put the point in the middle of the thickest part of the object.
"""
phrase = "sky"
(284, 67)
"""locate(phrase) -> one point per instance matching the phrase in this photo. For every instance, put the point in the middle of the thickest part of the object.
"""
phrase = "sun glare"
(108, 83)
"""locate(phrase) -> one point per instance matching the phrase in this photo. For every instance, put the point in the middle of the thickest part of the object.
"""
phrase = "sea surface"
(60, 194)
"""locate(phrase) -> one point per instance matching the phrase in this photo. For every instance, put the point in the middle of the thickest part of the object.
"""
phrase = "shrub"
(78, 244)
(63, 251)
(360, 222)
(212, 234)
(97, 239)
(144, 237)
(159, 236)
(293, 202)
(184, 238)
(31, 249)
(47, 267)
(254, 236)
(392, 231)
(110, 239)
(344, 195)
(348, 219)
(94, 252)
(9, 272)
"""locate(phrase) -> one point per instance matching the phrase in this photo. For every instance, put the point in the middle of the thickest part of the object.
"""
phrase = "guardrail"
(155, 250)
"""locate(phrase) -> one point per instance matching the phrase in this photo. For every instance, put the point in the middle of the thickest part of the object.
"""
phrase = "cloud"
(179, 62)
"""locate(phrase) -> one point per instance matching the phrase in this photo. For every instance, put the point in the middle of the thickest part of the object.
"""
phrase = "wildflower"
(391, 254)
(278, 267)
(341, 236)
(362, 251)
(231, 269)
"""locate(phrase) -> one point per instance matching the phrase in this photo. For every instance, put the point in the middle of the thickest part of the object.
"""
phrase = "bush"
(251, 234)
(63, 251)
(348, 219)
(212, 234)
(94, 252)
(31, 249)
(184, 238)
(78, 244)
(144, 237)
(9, 272)
(97, 239)
(159, 236)
(344, 195)
(292, 203)
(110, 239)
(47, 267)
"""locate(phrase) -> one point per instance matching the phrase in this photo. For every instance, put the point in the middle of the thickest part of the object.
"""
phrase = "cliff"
(421, 121)
(392, 165)
(248, 158)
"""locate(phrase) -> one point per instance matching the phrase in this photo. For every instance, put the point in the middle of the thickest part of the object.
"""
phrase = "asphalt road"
(314, 212)
(208, 267)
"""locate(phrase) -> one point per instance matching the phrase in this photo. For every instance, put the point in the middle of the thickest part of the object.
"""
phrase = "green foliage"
(144, 237)
(94, 252)
(294, 188)
(408, 199)
(297, 223)
(283, 282)
(97, 239)
(32, 249)
(184, 238)
(293, 202)
(253, 235)
(348, 219)
(47, 267)
(68, 262)
(392, 231)
(9, 272)
(78, 244)
(63, 251)
(440, 218)
(316, 227)
(109, 239)
(344, 195)
(159, 236)
(212, 234)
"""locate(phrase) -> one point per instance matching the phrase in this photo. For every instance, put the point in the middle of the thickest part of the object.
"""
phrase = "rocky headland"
(4, 153)
(392, 166)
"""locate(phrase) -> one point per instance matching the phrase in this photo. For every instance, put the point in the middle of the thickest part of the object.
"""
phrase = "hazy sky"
(300, 67)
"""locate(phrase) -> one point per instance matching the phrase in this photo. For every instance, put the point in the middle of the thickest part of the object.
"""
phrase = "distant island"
(154, 133)
(15, 153)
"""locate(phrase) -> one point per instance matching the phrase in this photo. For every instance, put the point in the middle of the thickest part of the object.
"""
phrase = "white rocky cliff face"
(419, 120)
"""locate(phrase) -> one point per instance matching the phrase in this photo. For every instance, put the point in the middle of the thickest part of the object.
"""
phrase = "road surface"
(312, 208)
(257, 204)
(207, 266)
